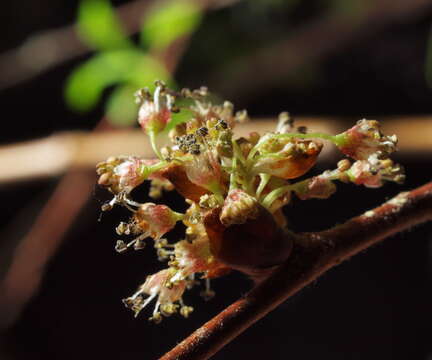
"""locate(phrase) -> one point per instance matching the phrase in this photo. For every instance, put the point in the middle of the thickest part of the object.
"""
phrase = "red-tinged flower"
(287, 158)
(154, 112)
(176, 174)
(120, 174)
(365, 139)
(124, 173)
(158, 286)
(372, 172)
(238, 208)
(155, 220)
(318, 187)
(151, 118)
(205, 171)
(196, 257)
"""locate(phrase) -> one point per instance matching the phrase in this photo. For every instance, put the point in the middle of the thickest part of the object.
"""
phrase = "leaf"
(146, 70)
(178, 118)
(168, 21)
(121, 109)
(86, 84)
(99, 27)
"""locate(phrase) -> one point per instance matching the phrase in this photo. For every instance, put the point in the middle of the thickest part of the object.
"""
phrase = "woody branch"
(313, 255)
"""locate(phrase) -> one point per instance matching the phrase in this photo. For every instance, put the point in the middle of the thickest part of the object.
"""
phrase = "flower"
(124, 173)
(373, 171)
(168, 293)
(287, 158)
(238, 208)
(204, 170)
(196, 257)
(364, 139)
(318, 187)
(120, 174)
(154, 113)
(155, 220)
(176, 174)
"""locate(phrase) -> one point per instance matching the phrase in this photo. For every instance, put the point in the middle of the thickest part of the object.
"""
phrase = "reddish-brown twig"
(313, 254)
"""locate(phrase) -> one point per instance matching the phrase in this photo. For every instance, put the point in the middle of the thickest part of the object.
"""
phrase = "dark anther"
(203, 131)
(223, 124)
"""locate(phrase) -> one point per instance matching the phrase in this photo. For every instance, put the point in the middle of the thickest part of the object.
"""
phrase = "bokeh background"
(70, 67)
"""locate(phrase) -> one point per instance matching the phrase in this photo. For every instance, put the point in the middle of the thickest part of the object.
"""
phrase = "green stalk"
(146, 170)
(265, 178)
(152, 136)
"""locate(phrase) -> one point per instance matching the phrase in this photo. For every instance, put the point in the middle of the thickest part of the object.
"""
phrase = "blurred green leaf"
(168, 21)
(86, 84)
(178, 118)
(121, 109)
(99, 27)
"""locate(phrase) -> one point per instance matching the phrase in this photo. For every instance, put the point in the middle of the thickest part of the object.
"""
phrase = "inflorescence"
(212, 169)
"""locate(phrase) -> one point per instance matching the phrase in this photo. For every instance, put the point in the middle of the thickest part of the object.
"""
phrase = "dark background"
(375, 306)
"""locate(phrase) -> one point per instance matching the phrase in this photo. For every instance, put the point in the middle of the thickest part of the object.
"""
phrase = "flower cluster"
(235, 188)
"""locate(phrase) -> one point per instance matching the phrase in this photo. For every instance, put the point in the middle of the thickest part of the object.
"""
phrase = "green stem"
(179, 216)
(233, 177)
(264, 179)
(238, 152)
(272, 196)
(146, 170)
(152, 136)
(216, 190)
(331, 138)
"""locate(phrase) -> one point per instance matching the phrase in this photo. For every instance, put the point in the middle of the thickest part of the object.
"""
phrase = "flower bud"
(252, 247)
(287, 158)
(318, 187)
(364, 139)
(238, 208)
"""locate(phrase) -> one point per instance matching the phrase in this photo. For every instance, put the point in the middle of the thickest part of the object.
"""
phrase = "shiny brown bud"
(253, 247)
